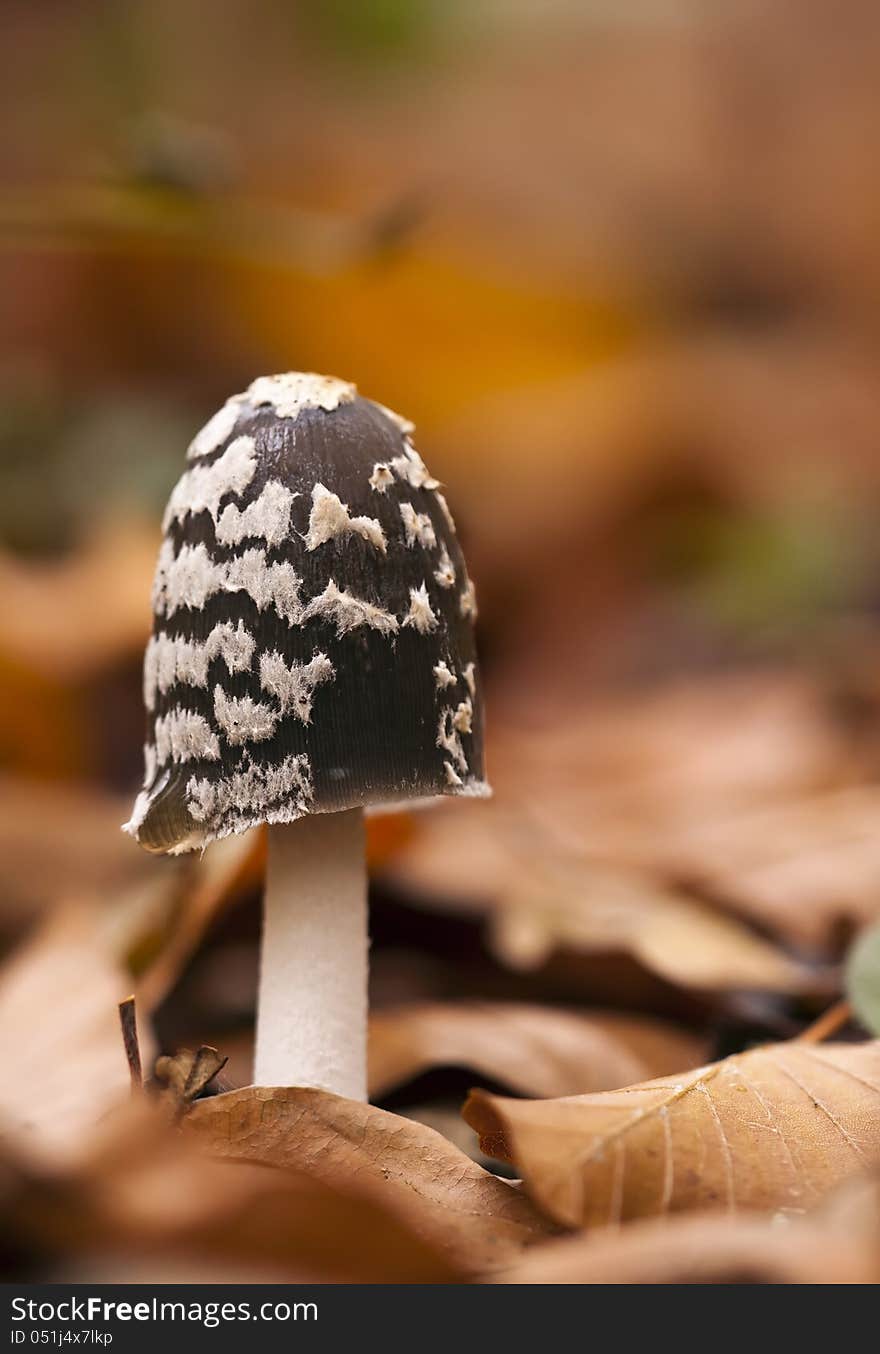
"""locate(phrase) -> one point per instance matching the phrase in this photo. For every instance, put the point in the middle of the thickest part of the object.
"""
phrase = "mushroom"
(312, 656)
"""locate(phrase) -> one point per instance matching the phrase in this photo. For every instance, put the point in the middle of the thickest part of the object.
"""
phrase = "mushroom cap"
(313, 623)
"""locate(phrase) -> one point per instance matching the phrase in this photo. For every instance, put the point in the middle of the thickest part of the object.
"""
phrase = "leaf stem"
(827, 1024)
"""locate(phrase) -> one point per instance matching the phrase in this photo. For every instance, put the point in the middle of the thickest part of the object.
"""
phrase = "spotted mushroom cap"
(313, 631)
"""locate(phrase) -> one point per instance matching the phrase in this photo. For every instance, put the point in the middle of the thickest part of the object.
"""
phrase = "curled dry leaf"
(740, 788)
(64, 1064)
(535, 1050)
(589, 907)
(799, 867)
(476, 1221)
(148, 1205)
(706, 1248)
(541, 897)
(185, 1075)
(773, 1129)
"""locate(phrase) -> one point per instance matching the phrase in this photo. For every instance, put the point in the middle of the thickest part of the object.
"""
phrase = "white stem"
(312, 1002)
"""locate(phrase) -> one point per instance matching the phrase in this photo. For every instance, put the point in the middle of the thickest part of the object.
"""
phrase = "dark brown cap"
(313, 634)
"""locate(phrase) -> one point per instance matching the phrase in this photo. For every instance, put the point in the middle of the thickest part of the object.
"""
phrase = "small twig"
(828, 1023)
(128, 1021)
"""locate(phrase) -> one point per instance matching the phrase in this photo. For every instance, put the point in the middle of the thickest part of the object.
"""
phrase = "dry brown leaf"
(476, 1221)
(69, 618)
(535, 1050)
(183, 1076)
(147, 1205)
(800, 867)
(589, 907)
(655, 756)
(621, 824)
(542, 897)
(64, 1064)
(706, 1248)
(62, 840)
(743, 785)
(773, 1129)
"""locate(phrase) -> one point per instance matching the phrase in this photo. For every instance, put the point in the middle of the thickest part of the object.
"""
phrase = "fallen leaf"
(62, 840)
(655, 757)
(443, 1115)
(772, 1129)
(67, 619)
(800, 867)
(148, 1205)
(64, 1065)
(535, 1050)
(743, 786)
(586, 906)
(705, 1248)
(719, 803)
(476, 1221)
(541, 896)
(185, 1075)
(151, 914)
